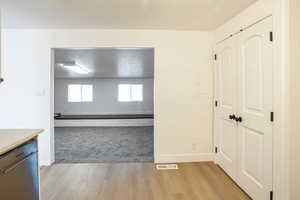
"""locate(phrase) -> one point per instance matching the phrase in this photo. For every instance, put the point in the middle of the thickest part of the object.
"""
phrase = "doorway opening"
(103, 105)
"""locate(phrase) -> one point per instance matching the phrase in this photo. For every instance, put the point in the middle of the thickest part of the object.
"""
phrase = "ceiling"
(120, 14)
(107, 62)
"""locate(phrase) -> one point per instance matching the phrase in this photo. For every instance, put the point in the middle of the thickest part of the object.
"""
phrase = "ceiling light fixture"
(77, 68)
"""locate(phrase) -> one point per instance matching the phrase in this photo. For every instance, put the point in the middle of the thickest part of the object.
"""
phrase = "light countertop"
(11, 138)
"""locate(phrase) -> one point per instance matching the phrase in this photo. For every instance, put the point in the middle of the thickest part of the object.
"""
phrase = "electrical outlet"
(40, 93)
(194, 147)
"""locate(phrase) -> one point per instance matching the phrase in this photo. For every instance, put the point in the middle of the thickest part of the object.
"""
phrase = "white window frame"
(130, 96)
(81, 97)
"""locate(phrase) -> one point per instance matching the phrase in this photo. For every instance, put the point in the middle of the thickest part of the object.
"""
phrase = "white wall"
(183, 84)
(105, 97)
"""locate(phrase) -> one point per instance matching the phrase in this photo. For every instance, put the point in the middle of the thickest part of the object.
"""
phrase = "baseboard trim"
(44, 163)
(182, 158)
(170, 158)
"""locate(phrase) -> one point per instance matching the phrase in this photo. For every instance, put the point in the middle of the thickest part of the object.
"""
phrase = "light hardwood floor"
(137, 181)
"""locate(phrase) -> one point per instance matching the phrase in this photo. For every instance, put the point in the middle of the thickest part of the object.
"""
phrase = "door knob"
(239, 119)
(232, 117)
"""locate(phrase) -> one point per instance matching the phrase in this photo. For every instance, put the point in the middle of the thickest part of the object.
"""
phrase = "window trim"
(131, 100)
(81, 93)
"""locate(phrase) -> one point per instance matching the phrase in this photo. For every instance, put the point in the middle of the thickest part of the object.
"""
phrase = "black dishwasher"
(19, 176)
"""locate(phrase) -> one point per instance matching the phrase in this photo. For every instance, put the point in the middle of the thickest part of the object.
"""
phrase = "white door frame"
(281, 99)
(280, 13)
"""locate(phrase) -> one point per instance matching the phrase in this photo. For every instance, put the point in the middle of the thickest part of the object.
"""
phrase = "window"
(80, 93)
(130, 92)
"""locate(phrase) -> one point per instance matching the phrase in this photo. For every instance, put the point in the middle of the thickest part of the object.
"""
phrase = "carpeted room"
(103, 144)
(103, 99)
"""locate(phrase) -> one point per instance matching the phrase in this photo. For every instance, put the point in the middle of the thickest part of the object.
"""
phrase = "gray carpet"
(104, 144)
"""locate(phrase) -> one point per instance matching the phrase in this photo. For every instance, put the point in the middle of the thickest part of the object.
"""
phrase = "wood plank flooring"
(137, 181)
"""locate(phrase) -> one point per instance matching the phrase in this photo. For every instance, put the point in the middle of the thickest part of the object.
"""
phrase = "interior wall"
(183, 85)
(105, 97)
(294, 139)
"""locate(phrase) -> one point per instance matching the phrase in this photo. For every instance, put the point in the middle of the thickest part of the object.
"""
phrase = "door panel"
(253, 170)
(255, 105)
(252, 71)
(227, 150)
(226, 77)
(226, 94)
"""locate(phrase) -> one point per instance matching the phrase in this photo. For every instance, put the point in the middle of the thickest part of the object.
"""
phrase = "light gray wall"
(105, 92)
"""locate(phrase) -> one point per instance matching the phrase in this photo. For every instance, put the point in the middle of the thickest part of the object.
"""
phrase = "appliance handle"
(12, 167)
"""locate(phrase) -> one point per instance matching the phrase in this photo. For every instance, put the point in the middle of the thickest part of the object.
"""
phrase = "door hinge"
(216, 149)
(271, 195)
(272, 116)
(271, 36)
(216, 103)
(216, 56)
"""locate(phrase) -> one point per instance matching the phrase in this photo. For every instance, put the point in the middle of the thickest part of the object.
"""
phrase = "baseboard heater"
(59, 116)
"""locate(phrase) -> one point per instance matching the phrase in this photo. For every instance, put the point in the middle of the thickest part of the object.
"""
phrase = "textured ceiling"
(120, 14)
(107, 62)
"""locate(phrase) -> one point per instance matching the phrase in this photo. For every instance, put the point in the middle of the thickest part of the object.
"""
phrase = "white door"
(255, 72)
(226, 86)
